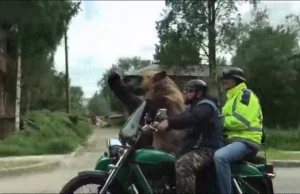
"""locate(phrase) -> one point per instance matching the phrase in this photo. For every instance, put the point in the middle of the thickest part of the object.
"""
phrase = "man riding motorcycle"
(202, 137)
(242, 124)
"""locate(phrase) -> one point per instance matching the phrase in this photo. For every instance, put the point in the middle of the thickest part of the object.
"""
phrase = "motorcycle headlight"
(115, 148)
(116, 151)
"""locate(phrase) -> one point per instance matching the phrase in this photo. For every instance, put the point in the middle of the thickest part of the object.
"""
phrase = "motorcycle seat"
(256, 160)
(149, 147)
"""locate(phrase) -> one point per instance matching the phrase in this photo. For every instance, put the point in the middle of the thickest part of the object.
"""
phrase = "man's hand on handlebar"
(162, 126)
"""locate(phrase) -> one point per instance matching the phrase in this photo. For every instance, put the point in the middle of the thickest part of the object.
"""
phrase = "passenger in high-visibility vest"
(242, 122)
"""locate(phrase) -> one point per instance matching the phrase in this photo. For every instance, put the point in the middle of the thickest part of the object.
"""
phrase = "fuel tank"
(152, 156)
(155, 164)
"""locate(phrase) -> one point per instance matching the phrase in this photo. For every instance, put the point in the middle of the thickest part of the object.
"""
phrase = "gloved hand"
(112, 77)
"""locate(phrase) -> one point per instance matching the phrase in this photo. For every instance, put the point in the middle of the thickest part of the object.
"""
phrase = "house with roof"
(180, 74)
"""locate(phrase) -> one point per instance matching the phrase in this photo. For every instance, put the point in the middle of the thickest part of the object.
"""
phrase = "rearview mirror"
(161, 115)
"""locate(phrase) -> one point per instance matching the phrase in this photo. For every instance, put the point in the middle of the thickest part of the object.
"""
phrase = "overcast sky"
(107, 30)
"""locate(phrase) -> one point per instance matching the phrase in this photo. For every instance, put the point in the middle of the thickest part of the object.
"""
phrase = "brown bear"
(160, 92)
(164, 93)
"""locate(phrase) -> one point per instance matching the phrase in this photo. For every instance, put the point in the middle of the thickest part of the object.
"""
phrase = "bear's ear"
(159, 76)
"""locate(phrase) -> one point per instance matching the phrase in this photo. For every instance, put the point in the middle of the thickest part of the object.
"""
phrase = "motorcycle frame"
(136, 173)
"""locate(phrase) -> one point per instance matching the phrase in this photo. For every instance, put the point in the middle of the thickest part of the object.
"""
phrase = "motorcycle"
(125, 169)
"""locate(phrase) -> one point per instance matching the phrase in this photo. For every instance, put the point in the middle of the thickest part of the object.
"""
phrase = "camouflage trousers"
(187, 167)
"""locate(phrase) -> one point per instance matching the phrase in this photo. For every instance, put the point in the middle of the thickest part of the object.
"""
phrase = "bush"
(288, 140)
(57, 135)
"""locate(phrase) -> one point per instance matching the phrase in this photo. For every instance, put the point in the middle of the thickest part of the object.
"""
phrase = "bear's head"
(150, 78)
(162, 90)
(139, 85)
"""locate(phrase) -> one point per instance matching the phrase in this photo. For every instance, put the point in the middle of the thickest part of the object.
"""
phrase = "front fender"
(103, 162)
(93, 173)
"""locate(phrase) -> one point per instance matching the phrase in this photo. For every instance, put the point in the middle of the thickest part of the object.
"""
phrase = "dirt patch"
(14, 164)
(97, 143)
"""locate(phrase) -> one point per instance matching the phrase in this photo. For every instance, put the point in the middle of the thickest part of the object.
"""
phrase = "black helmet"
(234, 72)
(197, 84)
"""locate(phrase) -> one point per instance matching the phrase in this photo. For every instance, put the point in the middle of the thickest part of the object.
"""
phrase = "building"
(115, 119)
(180, 75)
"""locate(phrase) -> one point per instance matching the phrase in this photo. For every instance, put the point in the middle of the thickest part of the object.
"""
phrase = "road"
(52, 182)
(286, 181)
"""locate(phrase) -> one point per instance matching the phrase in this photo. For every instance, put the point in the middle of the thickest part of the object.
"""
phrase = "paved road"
(287, 180)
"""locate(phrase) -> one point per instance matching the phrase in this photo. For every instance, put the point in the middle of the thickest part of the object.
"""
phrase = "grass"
(288, 140)
(273, 154)
(57, 135)
(13, 164)
(280, 142)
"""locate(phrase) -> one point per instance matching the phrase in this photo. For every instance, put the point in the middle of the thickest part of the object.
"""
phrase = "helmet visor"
(189, 90)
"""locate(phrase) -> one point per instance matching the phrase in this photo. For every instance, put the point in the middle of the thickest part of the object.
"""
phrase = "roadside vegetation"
(53, 133)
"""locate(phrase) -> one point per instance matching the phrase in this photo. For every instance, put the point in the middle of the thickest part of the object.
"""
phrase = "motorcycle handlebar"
(159, 117)
(149, 127)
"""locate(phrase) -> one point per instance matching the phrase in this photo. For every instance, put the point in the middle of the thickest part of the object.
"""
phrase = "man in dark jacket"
(203, 134)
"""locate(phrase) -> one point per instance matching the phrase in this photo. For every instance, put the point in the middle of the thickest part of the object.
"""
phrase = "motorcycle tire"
(79, 181)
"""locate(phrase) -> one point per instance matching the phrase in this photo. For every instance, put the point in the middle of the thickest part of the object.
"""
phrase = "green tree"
(36, 71)
(269, 56)
(50, 93)
(98, 105)
(76, 95)
(192, 32)
(41, 26)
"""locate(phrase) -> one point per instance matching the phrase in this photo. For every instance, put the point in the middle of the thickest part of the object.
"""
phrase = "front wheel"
(75, 185)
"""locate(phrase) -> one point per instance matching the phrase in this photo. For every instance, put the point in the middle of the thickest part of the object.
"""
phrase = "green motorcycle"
(125, 169)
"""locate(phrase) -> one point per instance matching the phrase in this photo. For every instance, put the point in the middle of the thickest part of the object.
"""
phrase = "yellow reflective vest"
(242, 115)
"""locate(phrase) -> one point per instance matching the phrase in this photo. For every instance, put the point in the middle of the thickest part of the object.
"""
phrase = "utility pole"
(18, 83)
(68, 108)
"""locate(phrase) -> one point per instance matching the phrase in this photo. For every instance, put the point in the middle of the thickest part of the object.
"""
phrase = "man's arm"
(247, 107)
(191, 118)
(121, 90)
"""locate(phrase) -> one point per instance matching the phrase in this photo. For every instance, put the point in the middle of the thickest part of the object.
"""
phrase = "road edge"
(286, 163)
(83, 146)
(44, 166)
(40, 167)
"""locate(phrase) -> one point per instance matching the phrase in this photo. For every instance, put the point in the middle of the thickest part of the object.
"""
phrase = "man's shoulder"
(209, 101)
(246, 95)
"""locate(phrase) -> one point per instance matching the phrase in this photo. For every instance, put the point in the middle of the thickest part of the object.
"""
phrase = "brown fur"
(165, 94)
